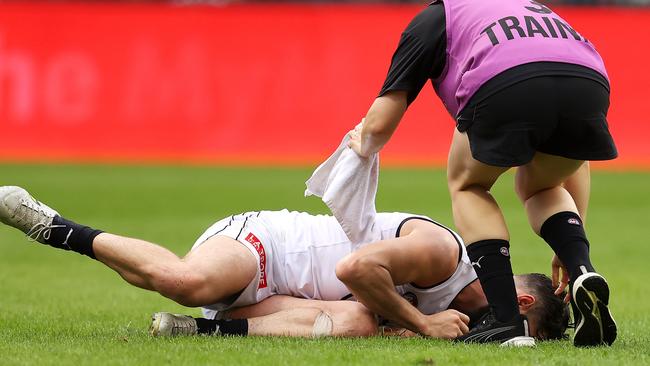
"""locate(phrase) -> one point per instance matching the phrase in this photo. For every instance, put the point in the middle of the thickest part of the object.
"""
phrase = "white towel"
(347, 183)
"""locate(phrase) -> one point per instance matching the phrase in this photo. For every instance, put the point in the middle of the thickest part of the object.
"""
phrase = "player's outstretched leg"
(212, 272)
(42, 224)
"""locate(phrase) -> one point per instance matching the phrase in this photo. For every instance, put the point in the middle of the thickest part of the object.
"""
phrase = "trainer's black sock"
(68, 235)
(491, 261)
(236, 327)
(565, 234)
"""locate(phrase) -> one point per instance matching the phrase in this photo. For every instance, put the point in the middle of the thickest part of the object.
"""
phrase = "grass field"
(59, 308)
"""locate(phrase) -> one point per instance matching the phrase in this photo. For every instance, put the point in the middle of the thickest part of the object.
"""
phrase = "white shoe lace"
(42, 230)
(39, 229)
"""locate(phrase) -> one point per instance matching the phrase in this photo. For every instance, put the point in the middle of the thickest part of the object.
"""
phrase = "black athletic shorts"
(558, 115)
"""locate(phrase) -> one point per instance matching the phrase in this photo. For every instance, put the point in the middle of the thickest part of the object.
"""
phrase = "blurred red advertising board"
(256, 84)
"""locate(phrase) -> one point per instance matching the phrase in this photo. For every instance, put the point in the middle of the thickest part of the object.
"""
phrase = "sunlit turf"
(60, 308)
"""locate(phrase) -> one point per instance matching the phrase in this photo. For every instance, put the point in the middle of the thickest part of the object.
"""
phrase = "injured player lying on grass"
(294, 274)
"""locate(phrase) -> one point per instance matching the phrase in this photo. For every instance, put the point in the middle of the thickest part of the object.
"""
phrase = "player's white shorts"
(296, 253)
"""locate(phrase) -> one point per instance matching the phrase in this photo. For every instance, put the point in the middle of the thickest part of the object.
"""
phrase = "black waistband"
(531, 70)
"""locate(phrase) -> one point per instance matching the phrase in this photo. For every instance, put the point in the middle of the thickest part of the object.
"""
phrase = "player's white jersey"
(297, 254)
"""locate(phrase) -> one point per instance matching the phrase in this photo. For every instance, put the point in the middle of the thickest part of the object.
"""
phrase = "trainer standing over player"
(527, 91)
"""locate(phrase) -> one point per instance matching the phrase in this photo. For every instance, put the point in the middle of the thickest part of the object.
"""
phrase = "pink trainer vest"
(485, 38)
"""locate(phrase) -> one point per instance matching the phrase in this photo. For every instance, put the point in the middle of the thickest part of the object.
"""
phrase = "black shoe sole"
(596, 325)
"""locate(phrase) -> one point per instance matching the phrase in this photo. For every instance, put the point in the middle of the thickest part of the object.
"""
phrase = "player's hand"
(355, 139)
(560, 277)
(396, 332)
(448, 324)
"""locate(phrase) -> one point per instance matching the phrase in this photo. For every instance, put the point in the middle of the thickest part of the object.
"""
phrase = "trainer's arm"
(381, 121)
(419, 57)
(372, 272)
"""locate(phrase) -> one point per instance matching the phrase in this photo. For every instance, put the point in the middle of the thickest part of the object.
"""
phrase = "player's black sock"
(236, 327)
(68, 235)
(206, 326)
(491, 261)
(565, 234)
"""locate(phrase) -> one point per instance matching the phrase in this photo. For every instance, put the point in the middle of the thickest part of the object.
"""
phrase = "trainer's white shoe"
(168, 324)
(22, 211)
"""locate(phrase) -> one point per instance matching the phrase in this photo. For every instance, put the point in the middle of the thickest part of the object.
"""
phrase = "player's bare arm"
(423, 255)
(347, 318)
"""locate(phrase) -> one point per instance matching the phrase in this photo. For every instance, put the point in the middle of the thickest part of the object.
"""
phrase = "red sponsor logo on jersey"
(257, 244)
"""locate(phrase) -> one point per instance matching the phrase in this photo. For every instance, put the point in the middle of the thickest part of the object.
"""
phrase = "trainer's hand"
(559, 271)
(448, 324)
(355, 139)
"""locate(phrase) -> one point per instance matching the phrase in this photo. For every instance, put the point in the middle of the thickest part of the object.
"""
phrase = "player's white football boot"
(22, 211)
(593, 321)
(168, 324)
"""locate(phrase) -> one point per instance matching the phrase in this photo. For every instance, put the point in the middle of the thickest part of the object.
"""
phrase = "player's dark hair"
(551, 314)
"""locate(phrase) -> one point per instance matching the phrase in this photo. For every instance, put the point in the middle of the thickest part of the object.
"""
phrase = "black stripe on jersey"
(232, 217)
(242, 228)
(346, 297)
(460, 246)
(255, 213)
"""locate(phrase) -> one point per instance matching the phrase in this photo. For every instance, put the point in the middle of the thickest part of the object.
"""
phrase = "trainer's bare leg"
(553, 215)
(476, 213)
(547, 194)
(215, 270)
(579, 187)
(539, 185)
(480, 222)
